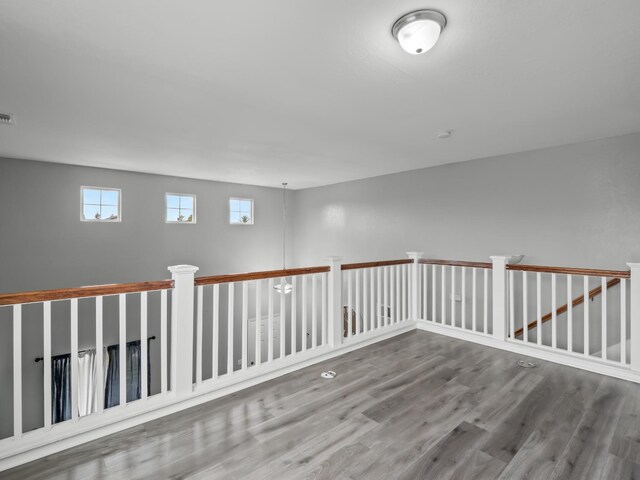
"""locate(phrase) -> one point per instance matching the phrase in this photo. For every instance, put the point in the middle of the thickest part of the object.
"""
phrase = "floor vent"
(525, 364)
(6, 119)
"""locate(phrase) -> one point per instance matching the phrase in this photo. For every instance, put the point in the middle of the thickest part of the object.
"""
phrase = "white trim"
(544, 353)
(38, 443)
(93, 220)
(252, 222)
(166, 207)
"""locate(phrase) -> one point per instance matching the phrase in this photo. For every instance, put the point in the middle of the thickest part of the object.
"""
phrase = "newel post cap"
(182, 269)
(633, 265)
(415, 254)
(333, 259)
(511, 259)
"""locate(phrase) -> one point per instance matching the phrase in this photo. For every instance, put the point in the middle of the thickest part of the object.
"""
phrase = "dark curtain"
(60, 388)
(112, 386)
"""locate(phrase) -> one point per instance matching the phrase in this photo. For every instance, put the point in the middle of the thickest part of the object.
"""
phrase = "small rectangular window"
(180, 208)
(241, 211)
(100, 204)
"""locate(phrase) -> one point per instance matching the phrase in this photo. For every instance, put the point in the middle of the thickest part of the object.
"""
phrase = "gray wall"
(45, 245)
(577, 205)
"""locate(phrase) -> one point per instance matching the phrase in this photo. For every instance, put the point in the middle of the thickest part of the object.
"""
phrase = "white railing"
(229, 332)
(375, 296)
(582, 313)
(86, 310)
(457, 294)
(585, 318)
(259, 318)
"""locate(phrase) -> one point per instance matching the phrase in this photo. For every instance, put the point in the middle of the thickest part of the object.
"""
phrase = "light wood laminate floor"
(416, 406)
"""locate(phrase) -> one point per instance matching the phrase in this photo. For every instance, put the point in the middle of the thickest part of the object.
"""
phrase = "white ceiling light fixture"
(417, 32)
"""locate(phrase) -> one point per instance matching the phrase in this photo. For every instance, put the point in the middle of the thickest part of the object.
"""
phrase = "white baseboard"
(544, 353)
(38, 444)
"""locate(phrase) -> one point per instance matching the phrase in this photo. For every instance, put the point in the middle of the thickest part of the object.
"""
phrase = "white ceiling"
(314, 92)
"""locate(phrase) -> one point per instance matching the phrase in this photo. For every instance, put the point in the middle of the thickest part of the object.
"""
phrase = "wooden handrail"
(589, 272)
(82, 292)
(382, 263)
(455, 263)
(240, 277)
(576, 301)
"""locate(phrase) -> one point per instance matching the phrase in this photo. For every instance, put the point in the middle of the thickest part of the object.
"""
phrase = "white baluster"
(392, 293)
(324, 309)
(398, 293)
(486, 301)
(464, 297)
(74, 360)
(357, 305)
(164, 370)
(349, 304)
(230, 326)
(144, 354)
(245, 325)
(474, 301)
(365, 299)
(604, 317)
(512, 307)
(539, 308)
(554, 308)
(303, 279)
(623, 321)
(443, 286)
(379, 300)
(404, 292)
(425, 290)
(434, 273)
(46, 360)
(387, 300)
(283, 319)
(586, 315)
(122, 351)
(258, 323)
(17, 371)
(314, 313)
(270, 322)
(453, 297)
(372, 300)
(525, 307)
(215, 345)
(199, 339)
(569, 314)
(294, 314)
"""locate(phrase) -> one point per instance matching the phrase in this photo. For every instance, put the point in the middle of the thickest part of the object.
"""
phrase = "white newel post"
(500, 297)
(182, 328)
(334, 299)
(414, 289)
(634, 348)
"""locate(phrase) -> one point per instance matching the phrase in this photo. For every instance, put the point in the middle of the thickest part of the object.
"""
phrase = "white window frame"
(102, 220)
(252, 222)
(166, 207)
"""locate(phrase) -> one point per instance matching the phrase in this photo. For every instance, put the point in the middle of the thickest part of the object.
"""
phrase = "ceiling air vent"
(7, 119)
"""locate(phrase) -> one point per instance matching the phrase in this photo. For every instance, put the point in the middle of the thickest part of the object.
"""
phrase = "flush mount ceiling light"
(417, 32)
